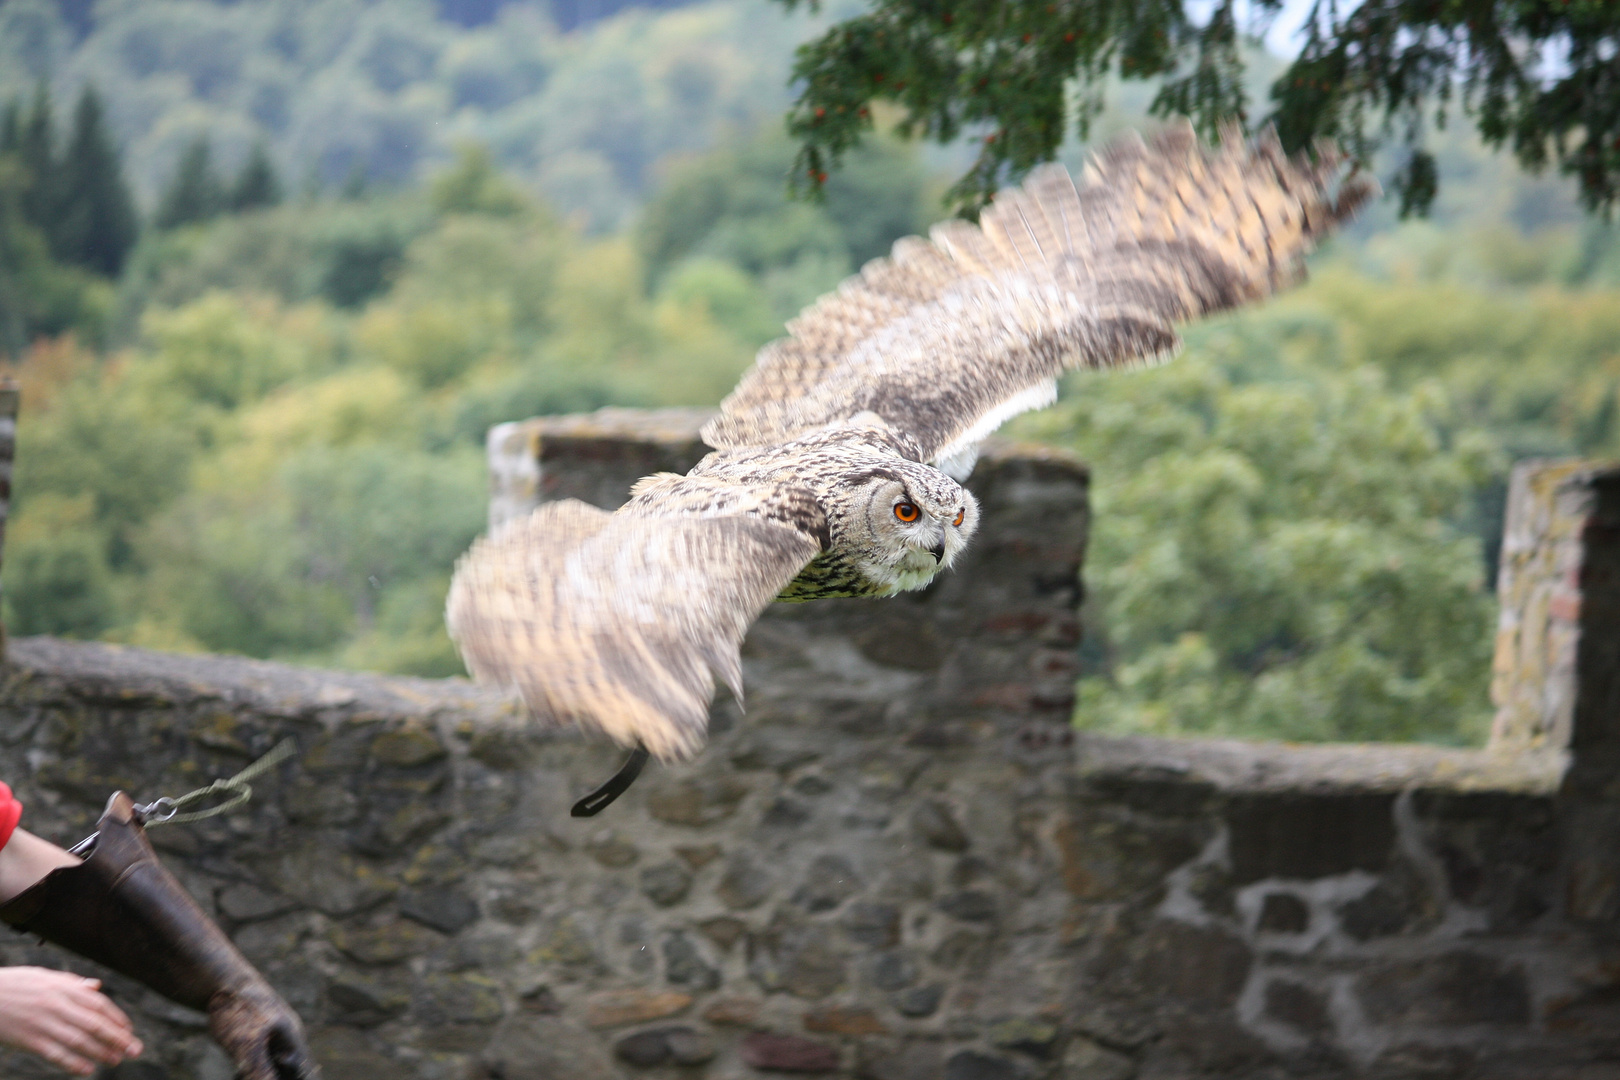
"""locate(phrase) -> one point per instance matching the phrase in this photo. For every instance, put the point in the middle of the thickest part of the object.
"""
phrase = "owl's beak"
(938, 551)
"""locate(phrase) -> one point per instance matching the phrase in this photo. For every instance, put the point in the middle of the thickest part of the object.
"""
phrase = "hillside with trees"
(254, 402)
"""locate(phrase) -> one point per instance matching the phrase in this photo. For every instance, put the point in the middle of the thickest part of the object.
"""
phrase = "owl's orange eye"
(960, 514)
(906, 512)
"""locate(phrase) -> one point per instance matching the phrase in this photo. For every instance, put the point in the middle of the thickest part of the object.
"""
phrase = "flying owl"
(837, 458)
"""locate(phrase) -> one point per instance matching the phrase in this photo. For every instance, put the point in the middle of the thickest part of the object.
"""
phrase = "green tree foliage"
(65, 222)
(94, 223)
(268, 471)
(389, 89)
(257, 185)
(38, 295)
(1279, 552)
(195, 193)
(727, 213)
(1539, 77)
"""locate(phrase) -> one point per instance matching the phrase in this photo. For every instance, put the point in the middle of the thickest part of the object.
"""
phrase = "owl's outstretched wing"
(618, 621)
(949, 337)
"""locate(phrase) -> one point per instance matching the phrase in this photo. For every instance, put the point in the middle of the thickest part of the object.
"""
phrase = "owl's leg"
(617, 785)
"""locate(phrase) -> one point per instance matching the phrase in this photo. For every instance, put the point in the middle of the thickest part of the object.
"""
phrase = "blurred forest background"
(269, 271)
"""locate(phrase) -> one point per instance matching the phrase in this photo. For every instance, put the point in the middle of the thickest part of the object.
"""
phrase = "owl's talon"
(617, 785)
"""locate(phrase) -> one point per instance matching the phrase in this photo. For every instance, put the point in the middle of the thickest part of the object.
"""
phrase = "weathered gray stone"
(874, 925)
(970, 905)
(745, 884)
(1037, 1038)
(527, 1047)
(936, 823)
(666, 884)
(829, 882)
(685, 967)
(696, 804)
(919, 1001)
(407, 747)
(972, 1065)
(446, 910)
(785, 813)
(246, 902)
(1298, 1006)
(389, 941)
(892, 971)
(332, 882)
(1454, 988)
(1284, 913)
(365, 1001)
(724, 931)
(1084, 1059)
(466, 998)
(612, 850)
(912, 1059)
(799, 957)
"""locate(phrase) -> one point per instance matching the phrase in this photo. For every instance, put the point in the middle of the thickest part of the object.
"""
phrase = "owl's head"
(905, 523)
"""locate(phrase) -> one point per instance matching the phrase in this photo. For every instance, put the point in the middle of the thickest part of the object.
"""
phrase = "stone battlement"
(901, 863)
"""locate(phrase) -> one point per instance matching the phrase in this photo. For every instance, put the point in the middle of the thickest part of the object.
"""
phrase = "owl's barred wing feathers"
(617, 621)
(949, 337)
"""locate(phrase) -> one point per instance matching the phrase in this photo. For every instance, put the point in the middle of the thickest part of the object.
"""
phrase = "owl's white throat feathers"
(914, 571)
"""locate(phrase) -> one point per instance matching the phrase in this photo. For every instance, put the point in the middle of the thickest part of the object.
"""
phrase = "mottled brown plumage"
(828, 446)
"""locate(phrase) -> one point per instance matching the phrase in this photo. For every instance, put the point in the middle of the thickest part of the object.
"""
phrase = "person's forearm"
(25, 860)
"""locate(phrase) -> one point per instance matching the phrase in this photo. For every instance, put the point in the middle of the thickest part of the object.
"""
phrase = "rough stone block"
(1298, 1006)
(407, 747)
(1453, 988)
(621, 1008)
(936, 823)
(685, 967)
(527, 1047)
(973, 1065)
(1035, 1037)
(912, 1059)
(829, 881)
(666, 884)
(448, 911)
(1084, 1059)
(787, 1053)
(844, 1020)
(659, 1046)
(733, 1012)
(1301, 837)
(387, 942)
(797, 956)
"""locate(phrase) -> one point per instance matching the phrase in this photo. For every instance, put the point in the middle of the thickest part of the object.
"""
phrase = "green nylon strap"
(167, 811)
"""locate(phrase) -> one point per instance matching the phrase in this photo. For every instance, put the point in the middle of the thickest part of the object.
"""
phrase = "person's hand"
(64, 1018)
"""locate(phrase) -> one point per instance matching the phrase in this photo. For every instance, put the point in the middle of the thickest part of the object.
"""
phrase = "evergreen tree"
(95, 223)
(195, 194)
(36, 153)
(257, 184)
(10, 128)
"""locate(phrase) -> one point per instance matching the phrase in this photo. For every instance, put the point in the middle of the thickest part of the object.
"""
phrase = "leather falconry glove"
(121, 908)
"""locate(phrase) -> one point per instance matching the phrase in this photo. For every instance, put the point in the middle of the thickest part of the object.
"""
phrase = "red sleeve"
(10, 813)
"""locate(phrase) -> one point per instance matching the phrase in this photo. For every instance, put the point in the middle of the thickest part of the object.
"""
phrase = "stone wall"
(899, 864)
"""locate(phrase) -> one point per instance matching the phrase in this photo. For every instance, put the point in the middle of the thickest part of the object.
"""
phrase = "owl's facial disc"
(920, 524)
